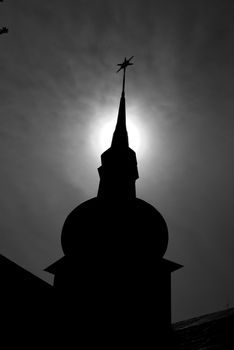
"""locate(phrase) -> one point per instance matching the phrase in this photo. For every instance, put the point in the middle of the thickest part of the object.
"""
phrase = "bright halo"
(101, 132)
(106, 134)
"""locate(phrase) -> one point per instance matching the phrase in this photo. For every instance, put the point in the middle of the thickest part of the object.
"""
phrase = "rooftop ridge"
(205, 318)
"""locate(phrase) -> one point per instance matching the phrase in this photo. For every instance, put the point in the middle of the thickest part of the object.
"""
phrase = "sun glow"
(106, 134)
(86, 142)
(102, 133)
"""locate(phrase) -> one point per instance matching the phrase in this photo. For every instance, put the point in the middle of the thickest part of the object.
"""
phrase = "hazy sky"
(58, 85)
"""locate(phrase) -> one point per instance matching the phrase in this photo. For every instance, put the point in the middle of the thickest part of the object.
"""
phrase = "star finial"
(123, 66)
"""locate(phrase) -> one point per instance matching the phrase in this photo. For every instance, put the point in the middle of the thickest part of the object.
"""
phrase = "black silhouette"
(113, 276)
(112, 287)
(124, 64)
(26, 302)
(211, 331)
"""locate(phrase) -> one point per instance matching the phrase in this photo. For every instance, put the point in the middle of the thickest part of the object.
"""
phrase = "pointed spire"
(120, 136)
(118, 172)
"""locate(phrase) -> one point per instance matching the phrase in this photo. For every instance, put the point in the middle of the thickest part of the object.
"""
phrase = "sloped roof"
(207, 332)
(55, 266)
(17, 280)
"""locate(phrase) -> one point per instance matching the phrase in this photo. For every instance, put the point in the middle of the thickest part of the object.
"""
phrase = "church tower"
(118, 171)
(113, 266)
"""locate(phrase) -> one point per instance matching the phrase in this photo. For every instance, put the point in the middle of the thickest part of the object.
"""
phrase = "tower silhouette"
(113, 274)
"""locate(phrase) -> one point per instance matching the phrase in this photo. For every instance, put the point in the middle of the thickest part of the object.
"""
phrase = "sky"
(58, 89)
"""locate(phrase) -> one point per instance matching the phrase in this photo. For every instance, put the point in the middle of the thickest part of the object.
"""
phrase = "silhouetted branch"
(3, 30)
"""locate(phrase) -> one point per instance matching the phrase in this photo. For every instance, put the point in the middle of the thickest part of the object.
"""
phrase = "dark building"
(25, 304)
(30, 316)
(20, 287)
(113, 273)
(206, 332)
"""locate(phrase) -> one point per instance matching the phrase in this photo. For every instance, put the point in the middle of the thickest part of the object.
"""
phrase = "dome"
(124, 230)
